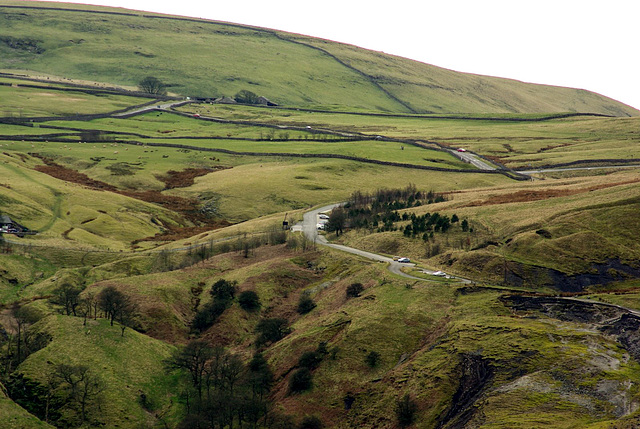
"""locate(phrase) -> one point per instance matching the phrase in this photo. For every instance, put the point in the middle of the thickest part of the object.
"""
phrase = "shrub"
(223, 290)
(348, 399)
(207, 315)
(300, 381)
(406, 411)
(372, 359)
(322, 348)
(247, 97)
(305, 304)
(249, 300)
(311, 422)
(260, 375)
(310, 360)
(354, 290)
(271, 330)
(276, 236)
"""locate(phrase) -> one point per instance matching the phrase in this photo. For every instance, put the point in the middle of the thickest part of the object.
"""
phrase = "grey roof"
(225, 100)
(265, 100)
(5, 220)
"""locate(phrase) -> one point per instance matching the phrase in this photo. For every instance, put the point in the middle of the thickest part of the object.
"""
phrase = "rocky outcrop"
(599, 274)
(476, 374)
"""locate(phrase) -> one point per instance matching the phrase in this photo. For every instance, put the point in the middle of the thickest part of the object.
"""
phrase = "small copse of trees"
(246, 97)
(222, 390)
(379, 211)
(118, 307)
(222, 294)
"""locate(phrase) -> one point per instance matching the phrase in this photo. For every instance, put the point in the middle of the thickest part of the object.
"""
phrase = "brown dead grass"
(185, 178)
(551, 147)
(68, 175)
(186, 207)
(529, 195)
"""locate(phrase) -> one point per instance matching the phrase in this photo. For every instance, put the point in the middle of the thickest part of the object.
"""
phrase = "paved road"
(474, 160)
(155, 106)
(309, 228)
(606, 304)
(550, 170)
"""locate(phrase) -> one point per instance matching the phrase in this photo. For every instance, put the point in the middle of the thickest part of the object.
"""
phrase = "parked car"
(439, 274)
(323, 216)
(321, 226)
(404, 260)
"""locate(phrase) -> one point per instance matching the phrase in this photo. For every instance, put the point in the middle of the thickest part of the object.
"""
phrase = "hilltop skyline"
(570, 43)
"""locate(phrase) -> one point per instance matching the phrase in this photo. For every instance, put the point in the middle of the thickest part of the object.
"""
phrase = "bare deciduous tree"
(152, 85)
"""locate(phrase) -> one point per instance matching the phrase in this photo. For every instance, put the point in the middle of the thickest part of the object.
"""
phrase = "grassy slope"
(54, 207)
(427, 88)
(127, 365)
(15, 417)
(557, 374)
(22, 101)
(283, 185)
(224, 59)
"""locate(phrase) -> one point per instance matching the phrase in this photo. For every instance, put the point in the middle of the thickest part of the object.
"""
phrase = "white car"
(439, 274)
(321, 226)
(404, 260)
(323, 216)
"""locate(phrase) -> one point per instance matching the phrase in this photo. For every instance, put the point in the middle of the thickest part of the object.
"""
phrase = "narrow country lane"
(474, 160)
(309, 228)
(154, 106)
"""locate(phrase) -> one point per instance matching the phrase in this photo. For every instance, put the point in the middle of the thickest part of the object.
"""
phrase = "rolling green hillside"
(212, 59)
(128, 366)
(162, 284)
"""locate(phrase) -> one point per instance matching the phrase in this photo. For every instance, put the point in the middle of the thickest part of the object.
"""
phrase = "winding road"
(309, 228)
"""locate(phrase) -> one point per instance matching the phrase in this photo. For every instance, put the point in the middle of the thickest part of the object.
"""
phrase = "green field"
(19, 101)
(515, 139)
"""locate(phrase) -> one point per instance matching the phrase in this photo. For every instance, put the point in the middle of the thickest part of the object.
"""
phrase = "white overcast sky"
(586, 44)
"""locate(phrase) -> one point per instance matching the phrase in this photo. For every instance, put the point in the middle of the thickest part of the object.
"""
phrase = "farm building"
(265, 101)
(9, 226)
